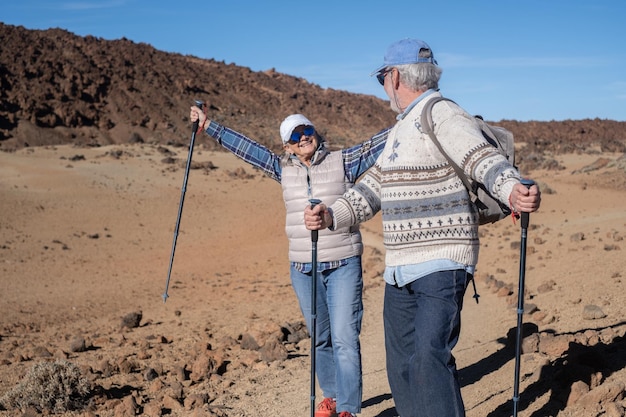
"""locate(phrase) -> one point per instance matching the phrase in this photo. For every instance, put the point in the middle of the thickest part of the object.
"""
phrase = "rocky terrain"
(61, 88)
(93, 137)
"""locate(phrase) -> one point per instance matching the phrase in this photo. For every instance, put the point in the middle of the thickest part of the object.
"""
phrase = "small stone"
(593, 312)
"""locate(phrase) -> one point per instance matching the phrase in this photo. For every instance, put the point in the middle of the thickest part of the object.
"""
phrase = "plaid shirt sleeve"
(359, 158)
(247, 149)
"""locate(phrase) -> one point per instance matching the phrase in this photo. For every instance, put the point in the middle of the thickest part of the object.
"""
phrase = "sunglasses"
(381, 76)
(296, 136)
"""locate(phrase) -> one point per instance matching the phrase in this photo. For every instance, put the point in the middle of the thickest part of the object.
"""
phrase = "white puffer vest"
(327, 182)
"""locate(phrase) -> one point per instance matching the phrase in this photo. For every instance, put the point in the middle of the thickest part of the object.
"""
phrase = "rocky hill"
(56, 87)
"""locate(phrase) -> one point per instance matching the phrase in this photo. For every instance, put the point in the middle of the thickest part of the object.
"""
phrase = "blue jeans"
(338, 325)
(422, 322)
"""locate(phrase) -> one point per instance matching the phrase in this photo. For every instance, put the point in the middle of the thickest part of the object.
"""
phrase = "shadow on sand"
(578, 363)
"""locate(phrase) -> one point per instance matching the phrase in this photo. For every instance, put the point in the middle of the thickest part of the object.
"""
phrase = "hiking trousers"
(422, 322)
(338, 323)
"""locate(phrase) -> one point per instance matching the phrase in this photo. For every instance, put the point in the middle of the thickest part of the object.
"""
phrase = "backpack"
(490, 210)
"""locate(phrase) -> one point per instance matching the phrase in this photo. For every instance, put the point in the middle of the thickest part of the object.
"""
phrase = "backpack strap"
(426, 120)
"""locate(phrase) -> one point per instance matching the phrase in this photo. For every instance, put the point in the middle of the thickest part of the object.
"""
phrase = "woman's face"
(306, 145)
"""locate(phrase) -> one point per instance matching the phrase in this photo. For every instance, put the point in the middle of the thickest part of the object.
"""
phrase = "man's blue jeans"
(338, 323)
(422, 323)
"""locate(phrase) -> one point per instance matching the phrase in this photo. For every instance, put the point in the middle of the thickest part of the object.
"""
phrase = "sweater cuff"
(507, 189)
(341, 214)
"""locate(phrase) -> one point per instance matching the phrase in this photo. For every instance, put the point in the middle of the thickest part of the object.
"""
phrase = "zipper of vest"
(308, 183)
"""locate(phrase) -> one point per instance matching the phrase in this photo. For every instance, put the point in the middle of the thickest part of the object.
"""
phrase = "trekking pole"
(194, 128)
(520, 301)
(314, 202)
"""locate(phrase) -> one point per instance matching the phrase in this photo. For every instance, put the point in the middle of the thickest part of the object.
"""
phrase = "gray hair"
(420, 76)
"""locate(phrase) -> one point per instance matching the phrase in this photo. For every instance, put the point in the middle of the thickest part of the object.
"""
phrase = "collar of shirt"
(414, 103)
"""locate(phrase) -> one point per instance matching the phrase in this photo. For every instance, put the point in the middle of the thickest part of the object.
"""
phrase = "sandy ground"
(86, 236)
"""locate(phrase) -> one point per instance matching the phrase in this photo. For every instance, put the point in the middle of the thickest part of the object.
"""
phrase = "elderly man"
(430, 227)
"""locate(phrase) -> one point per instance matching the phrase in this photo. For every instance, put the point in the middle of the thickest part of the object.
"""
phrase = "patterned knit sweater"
(426, 211)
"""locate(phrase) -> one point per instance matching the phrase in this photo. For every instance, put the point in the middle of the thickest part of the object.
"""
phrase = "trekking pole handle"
(525, 215)
(200, 105)
(314, 202)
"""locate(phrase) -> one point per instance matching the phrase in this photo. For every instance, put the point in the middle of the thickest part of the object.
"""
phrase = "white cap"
(290, 123)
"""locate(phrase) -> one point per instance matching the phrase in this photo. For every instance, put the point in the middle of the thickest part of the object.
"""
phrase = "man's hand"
(524, 199)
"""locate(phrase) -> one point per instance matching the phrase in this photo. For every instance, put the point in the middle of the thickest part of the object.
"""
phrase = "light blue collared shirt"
(414, 103)
(404, 274)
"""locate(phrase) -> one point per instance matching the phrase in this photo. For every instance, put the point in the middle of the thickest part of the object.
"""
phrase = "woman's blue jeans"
(338, 325)
(422, 322)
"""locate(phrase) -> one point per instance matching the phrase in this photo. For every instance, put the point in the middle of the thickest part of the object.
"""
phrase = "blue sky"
(531, 60)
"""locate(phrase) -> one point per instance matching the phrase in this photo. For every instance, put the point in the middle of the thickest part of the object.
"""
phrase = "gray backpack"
(489, 209)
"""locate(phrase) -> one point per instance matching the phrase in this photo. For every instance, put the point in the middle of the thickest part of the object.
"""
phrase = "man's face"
(388, 84)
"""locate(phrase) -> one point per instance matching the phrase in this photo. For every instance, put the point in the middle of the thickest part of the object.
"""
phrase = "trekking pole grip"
(195, 125)
(314, 202)
(525, 215)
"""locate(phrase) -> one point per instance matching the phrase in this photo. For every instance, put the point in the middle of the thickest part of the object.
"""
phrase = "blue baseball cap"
(403, 52)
